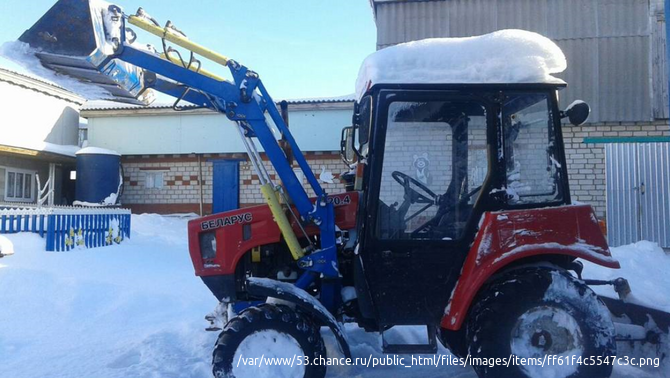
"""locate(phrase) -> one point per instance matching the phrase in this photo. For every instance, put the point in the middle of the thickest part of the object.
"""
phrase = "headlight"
(208, 245)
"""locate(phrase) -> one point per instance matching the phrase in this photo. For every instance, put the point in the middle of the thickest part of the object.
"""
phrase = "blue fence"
(66, 228)
(23, 221)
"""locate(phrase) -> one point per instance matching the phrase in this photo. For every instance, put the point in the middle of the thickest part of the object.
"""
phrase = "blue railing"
(66, 228)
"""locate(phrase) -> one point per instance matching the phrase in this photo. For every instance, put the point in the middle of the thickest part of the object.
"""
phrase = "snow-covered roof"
(52, 148)
(23, 55)
(505, 56)
(33, 83)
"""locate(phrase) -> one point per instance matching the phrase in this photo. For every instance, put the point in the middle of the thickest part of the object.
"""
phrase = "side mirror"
(347, 149)
(577, 112)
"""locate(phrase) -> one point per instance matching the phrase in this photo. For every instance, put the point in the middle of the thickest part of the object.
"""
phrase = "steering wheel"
(412, 195)
(467, 197)
(447, 209)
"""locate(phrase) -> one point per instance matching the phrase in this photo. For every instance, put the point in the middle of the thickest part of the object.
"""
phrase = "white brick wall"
(586, 162)
(181, 185)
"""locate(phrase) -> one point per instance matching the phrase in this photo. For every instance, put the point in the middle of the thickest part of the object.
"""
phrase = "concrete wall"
(30, 118)
(315, 128)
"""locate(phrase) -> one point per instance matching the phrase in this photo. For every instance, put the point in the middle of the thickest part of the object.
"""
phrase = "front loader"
(457, 215)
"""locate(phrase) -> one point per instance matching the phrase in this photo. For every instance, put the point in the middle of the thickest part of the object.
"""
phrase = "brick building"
(193, 161)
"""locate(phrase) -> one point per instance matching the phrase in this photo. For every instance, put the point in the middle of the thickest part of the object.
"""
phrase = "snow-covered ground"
(136, 309)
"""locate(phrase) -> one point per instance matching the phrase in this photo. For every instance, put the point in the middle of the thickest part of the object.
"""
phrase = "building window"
(19, 185)
(153, 180)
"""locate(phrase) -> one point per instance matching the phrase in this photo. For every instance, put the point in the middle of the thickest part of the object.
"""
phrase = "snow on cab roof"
(505, 56)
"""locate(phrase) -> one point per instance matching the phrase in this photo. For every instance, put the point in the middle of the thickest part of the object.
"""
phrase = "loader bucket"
(79, 38)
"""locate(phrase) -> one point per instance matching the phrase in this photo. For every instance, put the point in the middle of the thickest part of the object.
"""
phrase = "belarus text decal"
(226, 221)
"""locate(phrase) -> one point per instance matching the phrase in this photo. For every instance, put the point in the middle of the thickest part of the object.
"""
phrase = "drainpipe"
(283, 143)
(200, 181)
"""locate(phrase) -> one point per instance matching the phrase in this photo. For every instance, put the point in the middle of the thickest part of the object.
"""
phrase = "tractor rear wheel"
(269, 332)
(536, 313)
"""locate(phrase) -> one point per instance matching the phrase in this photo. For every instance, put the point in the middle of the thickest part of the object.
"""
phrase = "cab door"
(429, 163)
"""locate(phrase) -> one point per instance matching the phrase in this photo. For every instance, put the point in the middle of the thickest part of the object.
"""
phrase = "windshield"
(435, 161)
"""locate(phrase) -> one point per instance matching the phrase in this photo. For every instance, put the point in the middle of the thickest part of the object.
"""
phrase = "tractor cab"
(435, 158)
(436, 152)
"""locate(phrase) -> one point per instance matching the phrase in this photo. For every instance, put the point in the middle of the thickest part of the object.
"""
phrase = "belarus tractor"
(475, 238)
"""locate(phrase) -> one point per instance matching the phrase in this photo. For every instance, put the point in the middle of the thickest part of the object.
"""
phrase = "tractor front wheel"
(534, 316)
(269, 341)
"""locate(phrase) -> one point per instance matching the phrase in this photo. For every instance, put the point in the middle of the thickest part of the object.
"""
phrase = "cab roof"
(502, 57)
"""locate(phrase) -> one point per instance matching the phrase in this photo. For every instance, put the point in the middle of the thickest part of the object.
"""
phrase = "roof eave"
(36, 154)
(27, 82)
(153, 111)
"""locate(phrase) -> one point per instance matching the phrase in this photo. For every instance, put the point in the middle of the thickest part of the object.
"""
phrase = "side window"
(532, 170)
(19, 185)
(153, 179)
(435, 161)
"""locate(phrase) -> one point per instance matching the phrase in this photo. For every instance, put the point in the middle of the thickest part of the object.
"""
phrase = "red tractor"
(457, 215)
(487, 245)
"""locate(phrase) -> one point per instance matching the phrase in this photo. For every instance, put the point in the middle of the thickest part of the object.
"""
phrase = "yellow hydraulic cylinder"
(291, 239)
(177, 61)
(178, 40)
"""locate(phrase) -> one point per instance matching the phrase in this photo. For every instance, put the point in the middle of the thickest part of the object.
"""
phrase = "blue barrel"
(98, 177)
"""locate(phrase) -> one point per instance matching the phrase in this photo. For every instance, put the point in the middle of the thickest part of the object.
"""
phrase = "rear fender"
(508, 237)
(265, 287)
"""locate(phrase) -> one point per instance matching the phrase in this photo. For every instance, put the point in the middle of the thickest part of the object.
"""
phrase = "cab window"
(531, 165)
(435, 162)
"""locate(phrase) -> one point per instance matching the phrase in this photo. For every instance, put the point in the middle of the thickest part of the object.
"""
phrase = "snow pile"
(6, 246)
(128, 310)
(505, 56)
(645, 265)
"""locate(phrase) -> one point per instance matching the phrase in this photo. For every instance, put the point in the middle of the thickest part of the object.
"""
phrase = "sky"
(300, 48)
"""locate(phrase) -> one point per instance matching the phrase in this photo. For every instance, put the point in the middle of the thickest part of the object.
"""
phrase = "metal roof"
(117, 106)
(38, 85)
